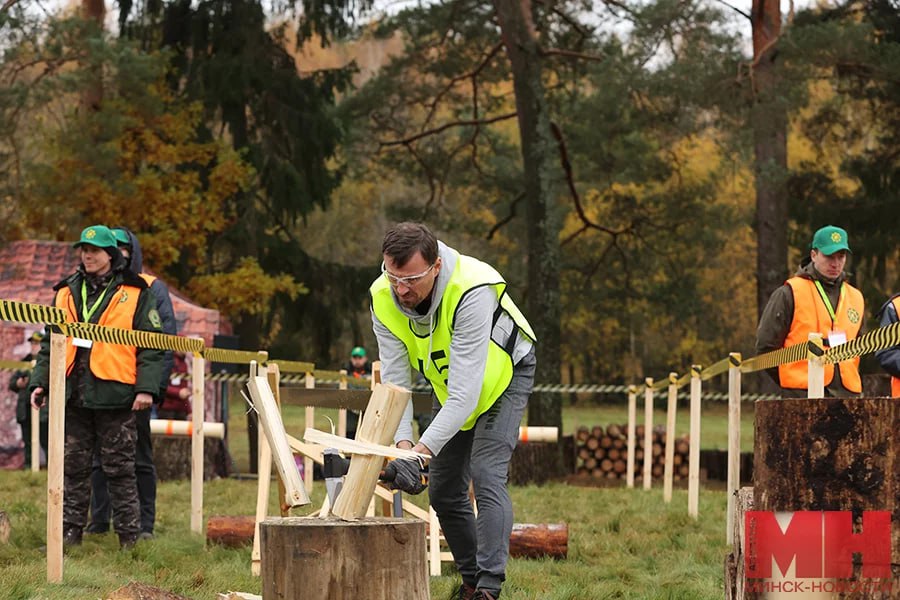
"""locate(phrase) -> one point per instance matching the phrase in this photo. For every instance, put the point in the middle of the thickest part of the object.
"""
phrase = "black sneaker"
(145, 535)
(483, 594)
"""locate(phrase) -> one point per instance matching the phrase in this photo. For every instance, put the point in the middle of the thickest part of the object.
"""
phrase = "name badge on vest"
(836, 338)
(82, 343)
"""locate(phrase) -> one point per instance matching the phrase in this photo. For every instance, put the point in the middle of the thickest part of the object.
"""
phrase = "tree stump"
(367, 559)
(831, 454)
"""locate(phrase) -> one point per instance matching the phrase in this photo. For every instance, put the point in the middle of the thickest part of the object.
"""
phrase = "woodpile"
(602, 453)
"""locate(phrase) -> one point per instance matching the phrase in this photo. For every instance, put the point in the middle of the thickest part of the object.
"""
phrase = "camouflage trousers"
(113, 433)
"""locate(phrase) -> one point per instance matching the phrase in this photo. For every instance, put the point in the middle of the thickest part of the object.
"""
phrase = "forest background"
(643, 173)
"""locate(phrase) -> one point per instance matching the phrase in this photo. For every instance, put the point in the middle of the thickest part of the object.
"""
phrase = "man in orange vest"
(145, 470)
(816, 299)
(890, 357)
(105, 383)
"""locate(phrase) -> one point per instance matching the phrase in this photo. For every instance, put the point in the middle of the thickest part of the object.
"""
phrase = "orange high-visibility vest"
(811, 316)
(895, 381)
(148, 278)
(111, 362)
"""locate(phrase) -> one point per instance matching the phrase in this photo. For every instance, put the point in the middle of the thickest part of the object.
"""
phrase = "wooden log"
(606, 442)
(592, 443)
(535, 541)
(598, 473)
(613, 454)
(584, 453)
(682, 446)
(366, 559)
(615, 432)
(619, 443)
(600, 453)
(619, 466)
(582, 434)
(606, 465)
(230, 531)
(597, 431)
(611, 475)
(835, 454)
(591, 463)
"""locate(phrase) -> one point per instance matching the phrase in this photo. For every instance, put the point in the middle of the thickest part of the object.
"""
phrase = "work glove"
(406, 475)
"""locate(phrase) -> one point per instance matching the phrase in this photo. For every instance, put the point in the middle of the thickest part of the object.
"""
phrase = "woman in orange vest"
(890, 357)
(105, 383)
(816, 299)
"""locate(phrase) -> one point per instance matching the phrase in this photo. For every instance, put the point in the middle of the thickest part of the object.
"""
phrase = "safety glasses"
(410, 281)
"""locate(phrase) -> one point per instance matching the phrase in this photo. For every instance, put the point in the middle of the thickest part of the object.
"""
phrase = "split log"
(528, 540)
(344, 560)
(615, 431)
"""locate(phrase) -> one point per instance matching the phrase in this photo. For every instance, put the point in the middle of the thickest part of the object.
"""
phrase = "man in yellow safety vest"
(816, 299)
(448, 316)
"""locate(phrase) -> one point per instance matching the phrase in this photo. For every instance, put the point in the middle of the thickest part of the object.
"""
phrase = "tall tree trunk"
(769, 121)
(94, 10)
(540, 161)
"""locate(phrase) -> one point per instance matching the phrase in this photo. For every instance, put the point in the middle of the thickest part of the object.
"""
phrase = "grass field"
(622, 543)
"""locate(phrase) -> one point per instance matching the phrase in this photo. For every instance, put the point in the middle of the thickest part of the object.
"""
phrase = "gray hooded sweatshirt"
(472, 333)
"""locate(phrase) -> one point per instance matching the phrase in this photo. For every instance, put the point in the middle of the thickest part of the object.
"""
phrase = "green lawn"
(622, 544)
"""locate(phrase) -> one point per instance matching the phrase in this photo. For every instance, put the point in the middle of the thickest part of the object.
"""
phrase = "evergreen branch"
(465, 123)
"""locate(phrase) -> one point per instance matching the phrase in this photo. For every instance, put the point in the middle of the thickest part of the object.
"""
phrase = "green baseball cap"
(122, 237)
(97, 235)
(830, 239)
(358, 351)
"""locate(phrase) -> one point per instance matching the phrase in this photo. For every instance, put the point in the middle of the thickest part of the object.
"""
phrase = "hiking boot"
(465, 592)
(127, 541)
(483, 594)
(145, 535)
(97, 528)
(71, 537)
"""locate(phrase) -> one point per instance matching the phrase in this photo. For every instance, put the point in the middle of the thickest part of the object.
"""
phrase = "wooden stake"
(342, 412)
(273, 372)
(816, 368)
(264, 481)
(734, 438)
(56, 396)
(434, 543)
(694, 459)
(632, 418)
(669, 466)
(378, 425)
(648, 432)
(309, 421)
(35, 440)
(198, 411)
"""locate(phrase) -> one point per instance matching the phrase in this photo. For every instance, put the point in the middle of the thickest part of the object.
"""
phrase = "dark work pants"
(144, 471)
(113, 432)
(480, 546)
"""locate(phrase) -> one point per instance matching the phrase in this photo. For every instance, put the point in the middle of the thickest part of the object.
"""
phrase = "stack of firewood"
(603, 452)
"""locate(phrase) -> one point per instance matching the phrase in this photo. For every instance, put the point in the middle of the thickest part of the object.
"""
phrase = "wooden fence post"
(648, 432)
(198, 414)
(734, 439)
(309, 421)
(669, 467)
(56, 396)
(342, 412)
(694, 458)
(816, 368)
(632, 417)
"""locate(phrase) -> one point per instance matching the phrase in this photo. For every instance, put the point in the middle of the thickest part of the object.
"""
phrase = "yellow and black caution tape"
(879, 339)
(716, 369)
(132, 337)
(14, 365)
(660, 385)
(293, 366)
(323, 375)
(775, 358)
(223, 355)
(25, 312)
(684, 379)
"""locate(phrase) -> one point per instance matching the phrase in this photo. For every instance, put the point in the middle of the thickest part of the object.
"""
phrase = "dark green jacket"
(100, 393)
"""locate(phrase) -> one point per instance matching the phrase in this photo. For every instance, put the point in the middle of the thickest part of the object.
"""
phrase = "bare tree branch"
(465, 123)
(736, 9)
(572, 54)
(454, 80)
(507, 218)
(8, 5)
